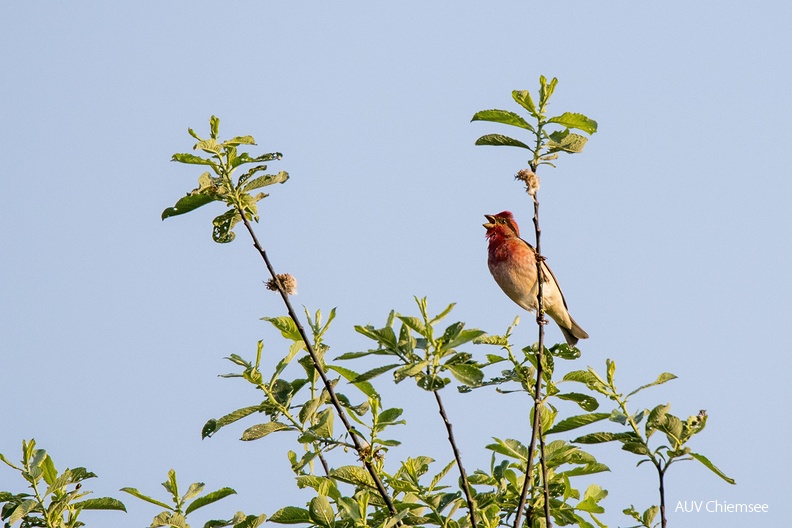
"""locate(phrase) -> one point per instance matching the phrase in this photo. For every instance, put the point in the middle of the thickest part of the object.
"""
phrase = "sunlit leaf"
(267, 179)
(502, 116)
(499, 140)
(662, 378)
(524, 99)
(209, 498)
(574, 422)
(291, 515)
(262, 430)
(101, 503)
(586, 402)
(187, 204)
(576, 121)
(709, 465)
(467, 374)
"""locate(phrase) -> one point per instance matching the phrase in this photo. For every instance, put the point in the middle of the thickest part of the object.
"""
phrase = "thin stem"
(657, 461)
(40, 500)
(458, 457)
(661, 475)
(536, 431)
(318, 365)
(324, 464)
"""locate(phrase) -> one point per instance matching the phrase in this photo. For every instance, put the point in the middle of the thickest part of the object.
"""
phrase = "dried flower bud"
(287, 283)
(530, 179)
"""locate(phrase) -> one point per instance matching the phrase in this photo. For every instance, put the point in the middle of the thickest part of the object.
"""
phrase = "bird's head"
(501, 225)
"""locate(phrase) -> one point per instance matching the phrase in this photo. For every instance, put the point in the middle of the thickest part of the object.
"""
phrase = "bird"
(512, 262)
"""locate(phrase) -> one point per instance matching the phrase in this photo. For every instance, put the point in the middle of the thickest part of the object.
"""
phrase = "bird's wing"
(548, 276)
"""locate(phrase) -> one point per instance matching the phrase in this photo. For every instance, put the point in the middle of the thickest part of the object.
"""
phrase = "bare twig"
(536, 431)
(458, 457)
(318, 365)
(661, 474)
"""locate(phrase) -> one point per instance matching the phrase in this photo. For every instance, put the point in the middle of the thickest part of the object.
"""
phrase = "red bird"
(512, 262)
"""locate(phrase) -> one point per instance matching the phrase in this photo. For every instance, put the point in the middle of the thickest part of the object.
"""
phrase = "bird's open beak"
(490, 221)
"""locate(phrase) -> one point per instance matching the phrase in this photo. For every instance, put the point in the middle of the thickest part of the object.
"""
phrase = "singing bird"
(512, 262)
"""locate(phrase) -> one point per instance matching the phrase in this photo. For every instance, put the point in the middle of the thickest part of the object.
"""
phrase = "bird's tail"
(573, 333)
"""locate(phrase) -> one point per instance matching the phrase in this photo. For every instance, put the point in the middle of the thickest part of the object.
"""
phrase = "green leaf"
(209, 498)
(350, 375)
(101, 503)
(209, 428)
(239, 140)
(510, 448)
(354, 475)
(649, 515)
(414, 323)
(589, 505)
(324, 424)
(503, 116)
(291, 515)
(464, 336)
(574, 422)
(214, 125)
(611, 367)
(194, 489)
(321, 512)
(588, 378)
(286, 325)
(171, 485)
(389, 416)
(709, 465)
(499, 140)
(192, 159)
(599, 438)
(267, 179)
(523, 98)
(662, 378)
(586, 402)
(22, 509)
(576, 121)
(588, 469)
(373, 373)
(245, 158)
(639, 448)
(566, 141)
(135, 493)
(467, 374)
(441, 315)
(223, 225)
(187, 204)
(212, 426)
(262, 430)
(545, 89)
(384, 336)
(49, 471)
(208, 145)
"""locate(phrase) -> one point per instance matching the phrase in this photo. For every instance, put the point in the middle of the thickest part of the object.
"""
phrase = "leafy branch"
(439, 356)
(60, 503)
(176, 516)
(636, 440)
(546, 146)
(223, 161)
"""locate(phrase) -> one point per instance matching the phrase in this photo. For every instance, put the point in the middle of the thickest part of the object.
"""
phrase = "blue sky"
(669, 233)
